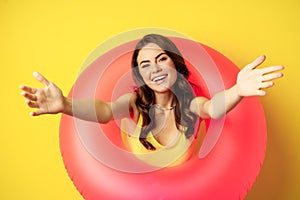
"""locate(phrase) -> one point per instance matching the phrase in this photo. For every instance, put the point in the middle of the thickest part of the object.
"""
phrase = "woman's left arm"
(251, 81)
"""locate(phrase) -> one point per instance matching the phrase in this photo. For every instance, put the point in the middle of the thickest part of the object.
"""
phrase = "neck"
(164, 100)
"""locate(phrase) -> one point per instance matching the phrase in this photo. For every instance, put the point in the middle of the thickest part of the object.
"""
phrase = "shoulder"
(132, 99)
(128, 98)
(133, 108)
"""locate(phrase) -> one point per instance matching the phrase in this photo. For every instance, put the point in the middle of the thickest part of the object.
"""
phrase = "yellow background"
(54, 38)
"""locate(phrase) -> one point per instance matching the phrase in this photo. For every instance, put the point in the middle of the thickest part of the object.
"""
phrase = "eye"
(163, 58)
(145, 65)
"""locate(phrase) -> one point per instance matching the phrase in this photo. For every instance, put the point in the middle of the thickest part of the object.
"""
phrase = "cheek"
(145, 75)
(172, 72)
(173, 77)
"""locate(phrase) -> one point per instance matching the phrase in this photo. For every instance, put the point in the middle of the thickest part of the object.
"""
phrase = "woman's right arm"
(50, 100)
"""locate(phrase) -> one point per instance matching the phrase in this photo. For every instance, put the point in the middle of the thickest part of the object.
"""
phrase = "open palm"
(48, 100)
(252, 81)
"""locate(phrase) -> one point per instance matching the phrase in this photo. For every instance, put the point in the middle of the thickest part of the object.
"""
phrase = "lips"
(159, 78)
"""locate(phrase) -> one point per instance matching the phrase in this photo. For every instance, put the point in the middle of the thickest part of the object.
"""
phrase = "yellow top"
(173, 154)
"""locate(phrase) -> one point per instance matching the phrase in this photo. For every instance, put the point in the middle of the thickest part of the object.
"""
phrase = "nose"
(156, 68)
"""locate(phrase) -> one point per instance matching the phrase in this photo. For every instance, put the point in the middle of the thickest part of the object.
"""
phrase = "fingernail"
(281, 75)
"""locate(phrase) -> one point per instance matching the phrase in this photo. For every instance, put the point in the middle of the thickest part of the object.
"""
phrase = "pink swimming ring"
(229, 160)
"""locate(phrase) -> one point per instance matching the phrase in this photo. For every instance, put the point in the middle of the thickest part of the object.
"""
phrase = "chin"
(161, 89)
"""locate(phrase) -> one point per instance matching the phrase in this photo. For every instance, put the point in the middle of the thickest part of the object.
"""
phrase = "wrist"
(236, 92)
(67, 106)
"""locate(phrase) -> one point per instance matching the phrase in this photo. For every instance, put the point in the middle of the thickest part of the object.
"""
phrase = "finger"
(269, 77)
(36, 113)
(28, 96)
(31, 104)
(261, 93)
(41, 78)
(265, 85)
(255, 63)
(270, 69)
(27, 89)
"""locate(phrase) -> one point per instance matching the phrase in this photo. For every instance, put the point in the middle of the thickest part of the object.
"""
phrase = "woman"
(164, 108)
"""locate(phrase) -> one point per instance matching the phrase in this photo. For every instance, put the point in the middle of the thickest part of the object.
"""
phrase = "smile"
(159, 78)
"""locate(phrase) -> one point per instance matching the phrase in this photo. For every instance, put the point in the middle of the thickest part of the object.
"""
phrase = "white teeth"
(159, 78)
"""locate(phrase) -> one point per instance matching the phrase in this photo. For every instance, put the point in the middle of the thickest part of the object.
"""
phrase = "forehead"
(149, 52)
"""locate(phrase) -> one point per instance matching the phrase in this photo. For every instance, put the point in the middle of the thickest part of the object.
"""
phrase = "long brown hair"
(182, 90)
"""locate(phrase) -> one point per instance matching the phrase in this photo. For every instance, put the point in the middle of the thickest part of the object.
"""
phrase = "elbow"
(105, 118)
(103, 121)
(104, 114)
(216, 114)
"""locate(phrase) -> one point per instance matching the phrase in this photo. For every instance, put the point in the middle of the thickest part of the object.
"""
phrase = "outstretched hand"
(48, 100)
(251, 81)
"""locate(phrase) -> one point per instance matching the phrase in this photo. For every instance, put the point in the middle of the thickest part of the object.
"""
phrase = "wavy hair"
(182, 90)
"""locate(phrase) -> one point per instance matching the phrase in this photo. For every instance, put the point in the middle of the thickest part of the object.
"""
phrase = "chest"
(165, 131)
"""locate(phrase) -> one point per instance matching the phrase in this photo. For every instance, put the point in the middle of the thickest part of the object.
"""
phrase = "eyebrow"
(145, 61)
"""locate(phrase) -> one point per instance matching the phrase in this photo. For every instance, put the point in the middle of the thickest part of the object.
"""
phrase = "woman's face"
(156, 68)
